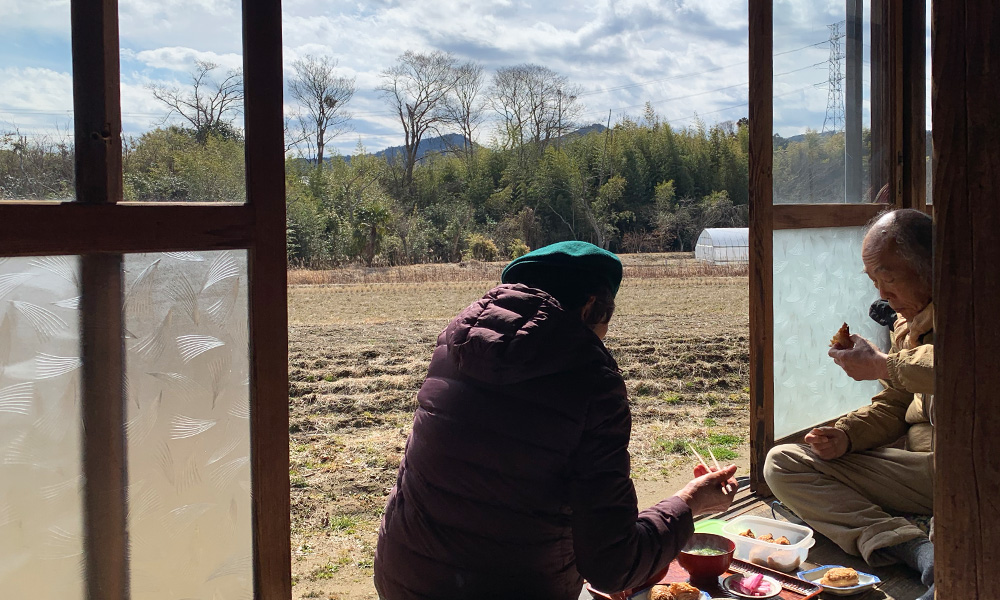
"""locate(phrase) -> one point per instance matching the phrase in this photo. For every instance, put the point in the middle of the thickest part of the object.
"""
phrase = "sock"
(918, 554)
(929, 594)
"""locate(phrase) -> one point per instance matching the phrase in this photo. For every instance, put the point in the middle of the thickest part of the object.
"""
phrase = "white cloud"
(36, 100)
(684, 56)
(178, 58)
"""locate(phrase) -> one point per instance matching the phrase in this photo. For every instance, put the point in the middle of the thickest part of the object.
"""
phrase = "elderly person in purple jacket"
(515, 481)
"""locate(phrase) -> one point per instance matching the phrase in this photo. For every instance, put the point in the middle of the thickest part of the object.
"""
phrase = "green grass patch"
(673, 446)
(344, 523)
(723, 439)
(671, 399)
(709, 422)
(327, 571)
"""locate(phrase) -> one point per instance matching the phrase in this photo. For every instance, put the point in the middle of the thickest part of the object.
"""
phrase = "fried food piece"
(842, 339)
(782, 541)
(674, 591)
(660, 592)
(767, 537)
(840, 577)
(685, 591)
(748, 533)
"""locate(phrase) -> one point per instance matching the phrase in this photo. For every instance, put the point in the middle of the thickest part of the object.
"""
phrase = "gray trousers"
(849, 499)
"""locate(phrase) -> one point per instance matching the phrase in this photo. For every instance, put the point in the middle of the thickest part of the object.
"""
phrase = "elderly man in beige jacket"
(847, 480)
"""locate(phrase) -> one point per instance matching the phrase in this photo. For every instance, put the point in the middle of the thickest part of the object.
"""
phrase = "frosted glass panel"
(188, 426)
(41, 502)
(819, 284)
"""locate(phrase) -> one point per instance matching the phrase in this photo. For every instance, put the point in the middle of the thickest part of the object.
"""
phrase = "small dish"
(729, 584)
(866, 581)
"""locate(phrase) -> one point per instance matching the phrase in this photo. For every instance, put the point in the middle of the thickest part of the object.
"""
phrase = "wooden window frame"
(100, 229)
(898, 93)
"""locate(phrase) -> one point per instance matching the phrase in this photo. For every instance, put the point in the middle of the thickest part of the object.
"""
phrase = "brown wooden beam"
(966, 52)
(104, 444)
(263, 82)
(808, 216)
(914, 104)
(761, 253)
(853, 101)
(97, 119)
(39, 229)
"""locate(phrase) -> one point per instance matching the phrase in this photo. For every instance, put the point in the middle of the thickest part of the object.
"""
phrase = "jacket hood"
(515, 333)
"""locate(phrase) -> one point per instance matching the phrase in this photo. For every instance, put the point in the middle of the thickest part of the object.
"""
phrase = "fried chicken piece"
(675, 591)
(842, 340)
(840, 577)
(782, 541)
(748, 533)
(767, 537)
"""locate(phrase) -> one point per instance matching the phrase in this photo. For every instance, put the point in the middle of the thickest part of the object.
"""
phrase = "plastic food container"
(766, 554)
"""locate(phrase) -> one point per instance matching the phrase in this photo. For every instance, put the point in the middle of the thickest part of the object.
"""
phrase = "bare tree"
(210, 105)
(416, 88)
(465, 107)
(324, 96)
(535, 104)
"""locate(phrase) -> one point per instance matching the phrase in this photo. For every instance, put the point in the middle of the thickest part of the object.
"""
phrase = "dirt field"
(359, 352)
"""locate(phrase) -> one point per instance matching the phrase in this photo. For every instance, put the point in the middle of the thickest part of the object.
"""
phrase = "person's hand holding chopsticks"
(706, 493)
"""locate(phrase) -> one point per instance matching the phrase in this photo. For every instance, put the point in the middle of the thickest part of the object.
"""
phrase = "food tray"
(792, 588)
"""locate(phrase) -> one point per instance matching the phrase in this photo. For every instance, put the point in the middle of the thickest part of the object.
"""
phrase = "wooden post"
(966, 84)
(914, 103)
(853, 100)
(105, 451)
(97, 113)
(98, 155)
(761, 240)
(263, 82)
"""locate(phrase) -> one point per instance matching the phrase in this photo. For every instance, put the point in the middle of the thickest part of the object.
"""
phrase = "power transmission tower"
(835, 96)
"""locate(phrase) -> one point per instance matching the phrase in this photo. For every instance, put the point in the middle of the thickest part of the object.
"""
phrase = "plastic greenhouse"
(723, 246)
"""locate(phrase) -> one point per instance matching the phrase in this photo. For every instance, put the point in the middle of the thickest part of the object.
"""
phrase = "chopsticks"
(727, 487)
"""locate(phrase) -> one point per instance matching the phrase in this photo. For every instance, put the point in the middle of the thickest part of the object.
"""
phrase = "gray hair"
(913, 232)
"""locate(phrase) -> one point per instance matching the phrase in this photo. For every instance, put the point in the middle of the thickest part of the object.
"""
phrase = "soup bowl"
(706, 556)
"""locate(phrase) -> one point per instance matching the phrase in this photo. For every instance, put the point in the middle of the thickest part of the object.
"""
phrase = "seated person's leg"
(846, 499)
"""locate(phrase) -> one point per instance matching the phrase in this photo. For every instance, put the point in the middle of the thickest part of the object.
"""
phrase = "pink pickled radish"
(751, 584)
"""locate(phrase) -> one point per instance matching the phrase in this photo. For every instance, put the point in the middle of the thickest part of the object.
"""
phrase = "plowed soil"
(359, 352)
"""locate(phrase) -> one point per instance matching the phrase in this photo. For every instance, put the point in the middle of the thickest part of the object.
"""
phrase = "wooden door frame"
(965, 53)
(901, 83)
(100, 229)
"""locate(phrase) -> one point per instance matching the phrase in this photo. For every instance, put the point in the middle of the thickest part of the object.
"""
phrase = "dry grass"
(359, 352)
(637, 266)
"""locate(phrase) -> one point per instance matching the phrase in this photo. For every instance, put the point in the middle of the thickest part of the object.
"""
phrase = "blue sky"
(684, 57)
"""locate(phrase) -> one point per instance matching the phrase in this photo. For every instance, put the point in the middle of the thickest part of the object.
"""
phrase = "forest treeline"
(643, 185)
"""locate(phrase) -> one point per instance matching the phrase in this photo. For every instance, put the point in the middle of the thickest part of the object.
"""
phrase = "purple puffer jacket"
(515, 482)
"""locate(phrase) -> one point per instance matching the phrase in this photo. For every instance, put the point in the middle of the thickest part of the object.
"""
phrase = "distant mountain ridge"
(433, 145)
(453, 141)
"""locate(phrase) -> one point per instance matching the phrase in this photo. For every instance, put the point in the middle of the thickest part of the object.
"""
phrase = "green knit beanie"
(572, 267)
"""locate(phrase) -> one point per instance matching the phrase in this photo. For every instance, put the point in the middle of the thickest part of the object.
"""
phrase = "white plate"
(865, 581)
(729, 584)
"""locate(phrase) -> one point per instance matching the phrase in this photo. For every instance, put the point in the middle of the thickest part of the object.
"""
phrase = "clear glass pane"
(819, 284)
(822, 103)
(182, 101)
(36, 101)
(41, 503)
(188, 425)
